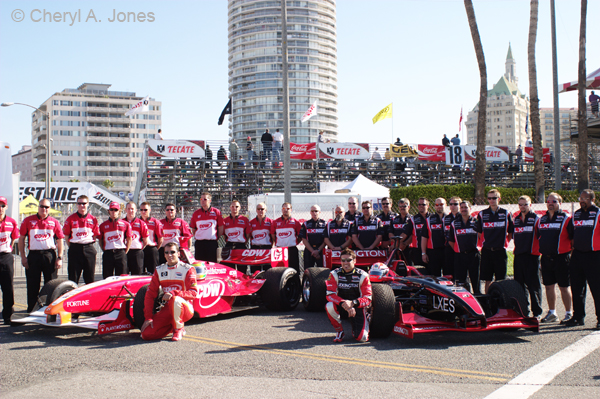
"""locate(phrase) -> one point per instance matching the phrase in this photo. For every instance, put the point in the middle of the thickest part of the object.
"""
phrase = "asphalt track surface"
(258, 354)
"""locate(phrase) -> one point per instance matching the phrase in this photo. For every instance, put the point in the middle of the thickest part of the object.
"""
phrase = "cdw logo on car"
(210, 293)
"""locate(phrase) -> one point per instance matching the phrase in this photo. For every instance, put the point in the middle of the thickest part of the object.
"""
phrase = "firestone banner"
(176, 148)
(303, 151)
(63, 193)
(528, 154)
(344, 150)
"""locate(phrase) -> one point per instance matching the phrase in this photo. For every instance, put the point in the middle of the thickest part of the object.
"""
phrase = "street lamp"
(48, 147)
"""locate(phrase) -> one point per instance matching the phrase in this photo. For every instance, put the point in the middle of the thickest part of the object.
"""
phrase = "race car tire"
(282, 289)
(314, 290)
(47, 293)
(138, 305)
(383, 311)
(506, 293)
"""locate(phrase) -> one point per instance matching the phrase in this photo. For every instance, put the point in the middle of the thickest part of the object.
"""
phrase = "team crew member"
(496, 226)
(448, 250)
(585, 259)
(139, 240)
(236, 227)
(81, 231)
(178, 282)
(433, 239)
(337, 234)
(9, 233)
(413, 229)
(527, 254)
(463, 238)
(207, 226)
(350, 289)
(115, 240)
(155, 238)
(386, 216)
(312, 236)
(397, 228)
(260, 229)
(44, 239)
(174, 230)
(555, 247)
(285, 233)
(352, 213)
(367, 230)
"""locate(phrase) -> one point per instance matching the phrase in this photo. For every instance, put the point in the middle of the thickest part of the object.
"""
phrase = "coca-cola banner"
(492, 154)
(344, 150)
(432, 152)
(528, 154)
(176, 148)
(303, 151)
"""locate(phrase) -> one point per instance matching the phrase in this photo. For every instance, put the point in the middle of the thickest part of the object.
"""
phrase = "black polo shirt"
(494, 227)
(313, 231)
(434, 231)
(367, 230)
(523, 234)
(338, 234)
(584, 229)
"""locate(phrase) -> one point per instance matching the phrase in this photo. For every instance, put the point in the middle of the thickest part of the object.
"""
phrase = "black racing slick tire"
(53, 290)
(282, 289)
(509, 295)
(138, 305)
(383, 311)
(314, 289)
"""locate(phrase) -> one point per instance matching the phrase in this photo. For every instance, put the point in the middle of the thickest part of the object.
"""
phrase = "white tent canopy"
(368, 189)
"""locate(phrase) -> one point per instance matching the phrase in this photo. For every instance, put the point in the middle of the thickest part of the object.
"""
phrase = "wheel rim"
(306, 291)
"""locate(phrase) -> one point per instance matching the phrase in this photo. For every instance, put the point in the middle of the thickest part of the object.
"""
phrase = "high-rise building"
(255, 68)
(507, 110)
(93, 140)
(21, 162)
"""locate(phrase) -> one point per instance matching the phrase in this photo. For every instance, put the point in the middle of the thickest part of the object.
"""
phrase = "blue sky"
(417, 54)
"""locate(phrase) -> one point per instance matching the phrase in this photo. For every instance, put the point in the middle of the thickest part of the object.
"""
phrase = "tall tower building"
(255, 68)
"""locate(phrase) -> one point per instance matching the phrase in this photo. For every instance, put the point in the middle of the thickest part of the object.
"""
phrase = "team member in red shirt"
(207, 226)
(260, 229)
(155, 237)
(178, 281)
(174, 230)
(9, 233)
(81, 231)
(285, 232)
(115, 241)
(44, 239)
(236, 227)
(139, 239)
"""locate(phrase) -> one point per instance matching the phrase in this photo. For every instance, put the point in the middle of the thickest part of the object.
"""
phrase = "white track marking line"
(530, 381)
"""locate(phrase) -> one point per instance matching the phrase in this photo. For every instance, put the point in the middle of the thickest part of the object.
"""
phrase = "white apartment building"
(255, 68)
(507, 110)
(21, 162)
(93, 140)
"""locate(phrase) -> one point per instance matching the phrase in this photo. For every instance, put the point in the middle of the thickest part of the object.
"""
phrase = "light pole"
(48, 147)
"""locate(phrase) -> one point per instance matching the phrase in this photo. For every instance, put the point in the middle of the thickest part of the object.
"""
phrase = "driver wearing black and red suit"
(350, 289)
(178, 281)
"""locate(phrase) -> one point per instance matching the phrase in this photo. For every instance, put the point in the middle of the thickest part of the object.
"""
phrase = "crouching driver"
(350, 289)
(178, 281)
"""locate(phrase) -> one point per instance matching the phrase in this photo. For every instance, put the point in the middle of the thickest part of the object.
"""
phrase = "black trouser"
(135, 261)
(467, 262)
(150, 259)
(235, 245)
(7, 272)
(311, 261)
(39, 261)
(585, 268)
(527, 273)
(436, 261)
(449, 261)
(114, 262)
(82, 258)
(206, 250)
(293, 259)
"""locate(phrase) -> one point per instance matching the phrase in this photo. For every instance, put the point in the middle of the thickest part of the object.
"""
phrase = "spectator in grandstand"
(312, 236)
(337, 233)
(260, 229)
(367, 230)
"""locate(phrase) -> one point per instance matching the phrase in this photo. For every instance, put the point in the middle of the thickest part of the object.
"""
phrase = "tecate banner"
(176, 148)
(344, 150)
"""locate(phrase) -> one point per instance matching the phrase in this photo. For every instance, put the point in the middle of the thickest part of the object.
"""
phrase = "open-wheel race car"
(406, 302)
(117, 303)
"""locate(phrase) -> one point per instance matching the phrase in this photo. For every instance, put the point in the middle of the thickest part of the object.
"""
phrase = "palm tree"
(583, 172)
(482, 117)
(534, 102)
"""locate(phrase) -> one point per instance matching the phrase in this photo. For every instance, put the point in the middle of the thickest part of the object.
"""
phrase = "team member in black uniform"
(527, 254)
(312, 237)
(496, 226)
(397, 228)
(337, 234)
(448, 250)
(413, 229)
(585, 259)
(350, 289)
(386, 216)
(352, 213)
(463, 238)
(367, 231)
(555, 247)
(433, 239)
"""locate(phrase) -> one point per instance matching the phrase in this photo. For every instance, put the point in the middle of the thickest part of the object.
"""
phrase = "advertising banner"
(344, 150)
(176, 148)
(303, 151)
(63, 193)
(528, 154)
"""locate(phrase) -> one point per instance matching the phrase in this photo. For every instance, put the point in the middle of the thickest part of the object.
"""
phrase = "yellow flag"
(383, 114)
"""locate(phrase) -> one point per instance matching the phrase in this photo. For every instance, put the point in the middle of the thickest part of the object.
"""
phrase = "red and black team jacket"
(584, 229)
(524, 234)
(552, 235)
